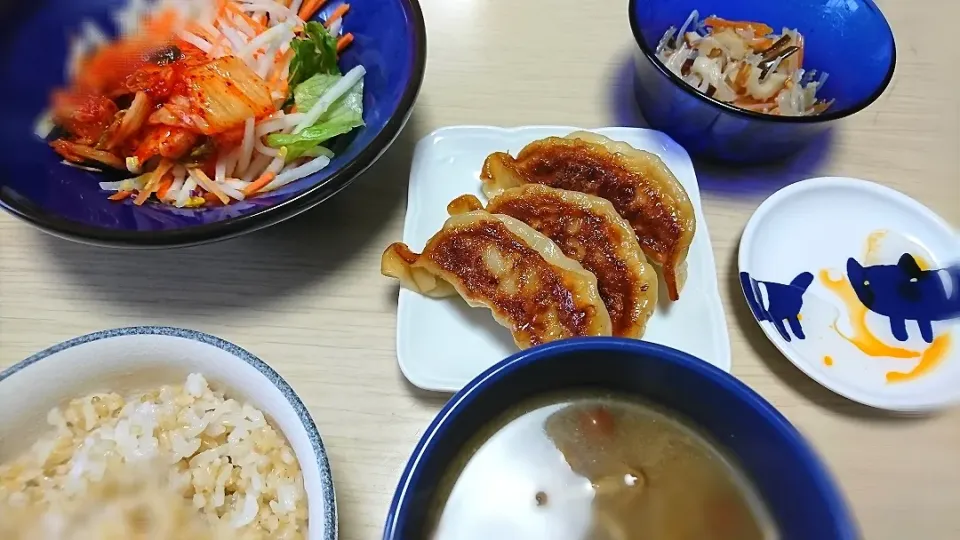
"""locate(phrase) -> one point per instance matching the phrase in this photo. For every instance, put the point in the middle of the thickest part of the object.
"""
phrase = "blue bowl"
(390, 42)
(790, 478)
(850, 40)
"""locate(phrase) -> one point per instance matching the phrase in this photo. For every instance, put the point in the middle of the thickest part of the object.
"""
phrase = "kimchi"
(206, 102)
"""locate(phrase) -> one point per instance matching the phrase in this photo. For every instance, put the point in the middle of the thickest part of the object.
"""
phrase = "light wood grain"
(307, 296)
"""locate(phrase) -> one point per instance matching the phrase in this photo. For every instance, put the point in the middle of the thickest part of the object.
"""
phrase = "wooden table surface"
(307, 296)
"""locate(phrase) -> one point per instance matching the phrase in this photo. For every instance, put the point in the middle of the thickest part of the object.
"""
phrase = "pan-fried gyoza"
(498, 262)
(638, 183)
(590, 231)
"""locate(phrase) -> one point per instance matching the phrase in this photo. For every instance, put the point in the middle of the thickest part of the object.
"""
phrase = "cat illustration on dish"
(784, 302)
(903, 292)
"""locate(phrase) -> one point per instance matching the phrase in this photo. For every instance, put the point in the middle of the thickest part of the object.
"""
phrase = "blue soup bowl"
(796, 487)
(390, 42)
(848, 39)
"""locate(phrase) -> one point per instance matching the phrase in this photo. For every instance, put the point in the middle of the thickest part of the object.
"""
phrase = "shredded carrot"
(257, 27)
(761, 43)
(341, 10)
(120, 195)
(259, 183)
(153, 183)
(164, 186)
(208, 184)
(202, 32)
(344, 42)
(142, 196)
(759, 29)
(310, 7)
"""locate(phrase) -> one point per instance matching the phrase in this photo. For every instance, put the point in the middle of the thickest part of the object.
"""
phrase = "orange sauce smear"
(932, 356)
(873, 244)
(865, 340)
(921, 262)
(862, 338)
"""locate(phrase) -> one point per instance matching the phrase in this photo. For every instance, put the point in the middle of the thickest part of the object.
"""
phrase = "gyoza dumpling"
(638, 183)
(589, 231)
(498, 262)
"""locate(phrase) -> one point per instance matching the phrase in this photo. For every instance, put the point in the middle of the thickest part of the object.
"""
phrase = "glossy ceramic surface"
(788, 475)
(823, 268)
(447, 164)
(849, 39)
(131, 359)
(390, 43)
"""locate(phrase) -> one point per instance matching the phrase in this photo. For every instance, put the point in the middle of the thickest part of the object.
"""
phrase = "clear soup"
(599, 467)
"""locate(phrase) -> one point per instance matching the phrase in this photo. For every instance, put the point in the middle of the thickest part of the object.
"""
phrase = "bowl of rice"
(157, 433)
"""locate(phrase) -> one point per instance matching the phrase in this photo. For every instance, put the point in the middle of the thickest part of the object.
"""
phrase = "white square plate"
(443, 344)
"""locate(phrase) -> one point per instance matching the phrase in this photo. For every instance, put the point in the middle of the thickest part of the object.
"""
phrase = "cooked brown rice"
(220, 456)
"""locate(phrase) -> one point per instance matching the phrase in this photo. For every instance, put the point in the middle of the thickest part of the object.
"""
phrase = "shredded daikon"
(308, 168)
(44, 125)
(185, 192)
(257, 168)
(728, 61)
(335, 27)
(196, 41)
(246, 148)
(278, 124)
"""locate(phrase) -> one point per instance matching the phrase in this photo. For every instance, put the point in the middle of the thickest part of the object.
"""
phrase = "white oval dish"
(129, 359)
(442, 344)
(795, 258)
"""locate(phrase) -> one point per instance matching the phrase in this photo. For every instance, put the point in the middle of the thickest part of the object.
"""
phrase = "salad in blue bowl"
(755, 81)
(172, 122)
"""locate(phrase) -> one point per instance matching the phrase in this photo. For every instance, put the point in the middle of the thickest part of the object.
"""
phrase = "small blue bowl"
(790, 478)
(390, 42)
(848, 39)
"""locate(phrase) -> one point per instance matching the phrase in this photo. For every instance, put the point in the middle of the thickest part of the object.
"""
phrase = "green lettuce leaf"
(318, 151)
(309, 91)
(344, 115)
(316, 53)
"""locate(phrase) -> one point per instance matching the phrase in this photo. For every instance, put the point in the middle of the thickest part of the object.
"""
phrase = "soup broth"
(595, 466)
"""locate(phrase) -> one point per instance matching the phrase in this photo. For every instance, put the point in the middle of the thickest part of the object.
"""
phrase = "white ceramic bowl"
(129, 359)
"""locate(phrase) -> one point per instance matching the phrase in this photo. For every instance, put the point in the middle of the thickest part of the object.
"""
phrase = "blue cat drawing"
(784, 302)
(903, 292)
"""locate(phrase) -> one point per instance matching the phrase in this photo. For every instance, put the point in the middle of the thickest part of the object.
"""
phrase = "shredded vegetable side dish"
(206, 102)
(745, 64)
